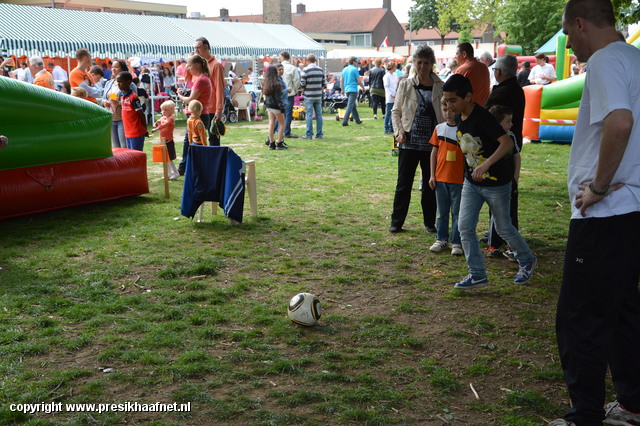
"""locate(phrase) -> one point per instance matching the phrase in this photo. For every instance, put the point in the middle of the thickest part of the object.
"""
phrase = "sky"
(212, 8)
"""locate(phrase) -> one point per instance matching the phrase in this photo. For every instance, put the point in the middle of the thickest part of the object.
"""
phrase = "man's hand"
(585, 198)
(479, 171)
(216, 116)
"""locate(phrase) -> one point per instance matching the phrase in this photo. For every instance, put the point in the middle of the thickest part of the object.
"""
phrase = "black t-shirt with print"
(478, 137)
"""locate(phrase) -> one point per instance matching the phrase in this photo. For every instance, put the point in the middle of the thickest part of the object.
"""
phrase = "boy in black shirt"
(488, 177)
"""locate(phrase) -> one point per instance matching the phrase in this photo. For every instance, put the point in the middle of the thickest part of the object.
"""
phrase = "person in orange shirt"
(41, 77)
(475, 71)
(79, 77)
(216, 74)
(196, 129)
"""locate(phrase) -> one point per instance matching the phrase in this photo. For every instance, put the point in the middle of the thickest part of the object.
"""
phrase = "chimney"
(224, 13)
(300, 9)
(276, 12)
(386, 4)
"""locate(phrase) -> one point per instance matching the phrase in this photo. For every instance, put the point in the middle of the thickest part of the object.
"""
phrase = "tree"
(627, 11)
(465, 36)
(444, 16)
(530, 23)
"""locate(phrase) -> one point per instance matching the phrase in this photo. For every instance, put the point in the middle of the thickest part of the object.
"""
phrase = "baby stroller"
(229, 112)
(335, 102)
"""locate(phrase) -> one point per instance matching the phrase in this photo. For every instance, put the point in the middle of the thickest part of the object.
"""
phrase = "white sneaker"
(456, 250)
(617, 415)
(174, 177)
(438, 246)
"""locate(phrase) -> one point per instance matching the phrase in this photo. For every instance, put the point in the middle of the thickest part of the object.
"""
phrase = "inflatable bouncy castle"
(59, 153)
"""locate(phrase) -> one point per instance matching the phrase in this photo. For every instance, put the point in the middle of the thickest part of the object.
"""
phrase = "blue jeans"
(448, 199)
(117, 135)
(288, 115)
(498, 199)
(136, 143)
(351, 108)
(388, 125)
(312, 105)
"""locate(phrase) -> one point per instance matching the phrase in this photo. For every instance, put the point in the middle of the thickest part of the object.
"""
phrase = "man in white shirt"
(598, 316)
(543, 73)
(59, 75)
(487, 59)
(291, 78)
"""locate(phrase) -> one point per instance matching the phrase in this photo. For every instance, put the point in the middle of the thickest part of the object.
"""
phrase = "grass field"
(127, 301)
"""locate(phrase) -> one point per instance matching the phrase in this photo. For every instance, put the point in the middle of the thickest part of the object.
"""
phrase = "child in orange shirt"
(195, 127)
(447, 177)
(166, 125)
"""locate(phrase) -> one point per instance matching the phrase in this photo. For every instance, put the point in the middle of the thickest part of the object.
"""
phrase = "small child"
(78, 92)
(133, 119)
(504, 115)
(447, 177)
(166, 125)
(195, 127)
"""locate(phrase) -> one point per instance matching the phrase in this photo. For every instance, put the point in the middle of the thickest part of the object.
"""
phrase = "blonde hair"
(79, 92)
(390, 66)
(168, 105)
(378, 62)
(195, 107)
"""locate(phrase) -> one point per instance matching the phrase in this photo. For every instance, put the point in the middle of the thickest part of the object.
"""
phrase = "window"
(431, 43)
(360, 40)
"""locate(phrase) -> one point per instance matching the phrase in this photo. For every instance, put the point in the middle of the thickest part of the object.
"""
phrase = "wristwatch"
(596, 192)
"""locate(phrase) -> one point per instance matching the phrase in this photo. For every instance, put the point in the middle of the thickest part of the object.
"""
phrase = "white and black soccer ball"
(304, 309)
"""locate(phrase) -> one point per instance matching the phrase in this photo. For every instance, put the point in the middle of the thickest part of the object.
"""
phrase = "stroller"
(334, 102)
(229, 112)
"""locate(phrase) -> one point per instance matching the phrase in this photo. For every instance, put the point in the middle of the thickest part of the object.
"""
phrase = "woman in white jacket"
(390, 81)
(415, 113)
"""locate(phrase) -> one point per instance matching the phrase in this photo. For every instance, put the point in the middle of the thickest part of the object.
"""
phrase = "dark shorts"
(171, 149)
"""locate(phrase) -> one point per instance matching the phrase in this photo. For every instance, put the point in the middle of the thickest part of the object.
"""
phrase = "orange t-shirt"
(450, 162)
(478, 73)
(196, 130)
(78, 76)
(44, 79)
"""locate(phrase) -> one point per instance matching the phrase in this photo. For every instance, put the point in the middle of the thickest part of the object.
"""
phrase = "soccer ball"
(304, 309)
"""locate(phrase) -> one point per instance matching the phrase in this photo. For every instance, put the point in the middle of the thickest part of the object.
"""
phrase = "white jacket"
(406, 104)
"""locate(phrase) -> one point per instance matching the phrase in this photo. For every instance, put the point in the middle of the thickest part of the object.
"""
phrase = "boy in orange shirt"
(195, 127)
(447, 177)
(79, 77)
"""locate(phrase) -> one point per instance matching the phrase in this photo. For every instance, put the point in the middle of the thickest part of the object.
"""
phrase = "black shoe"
(267, 142)
(181, 172)
(359, 122)
(345, 124)
(280, 145)
(430, 229)
(291, 136)
(395, 229)
(484, 240)
(272, 145)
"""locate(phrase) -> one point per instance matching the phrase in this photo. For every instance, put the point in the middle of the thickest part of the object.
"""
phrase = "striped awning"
(30, 30)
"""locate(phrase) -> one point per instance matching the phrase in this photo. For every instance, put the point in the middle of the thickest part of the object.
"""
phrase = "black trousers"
(495, 240)
(408, 160)
(377, 100)
(598, 317)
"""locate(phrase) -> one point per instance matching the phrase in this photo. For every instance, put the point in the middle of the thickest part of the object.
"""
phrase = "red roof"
(433, 34)
(328, 21)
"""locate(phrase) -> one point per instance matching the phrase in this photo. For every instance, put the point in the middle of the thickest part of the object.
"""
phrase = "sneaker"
(281, 145)
(438, 246)
(430, 229)
(319, 137)
(526, 271)
(561, 422)
(272, 145)
(267, 142)
(456, 250)
(493, 252)
(510, 254)
(616, 415)
(174, 177)
(395, 229)
(469, 282)
(375, 116)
